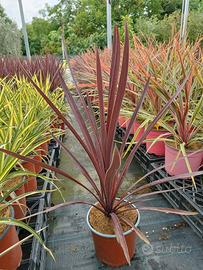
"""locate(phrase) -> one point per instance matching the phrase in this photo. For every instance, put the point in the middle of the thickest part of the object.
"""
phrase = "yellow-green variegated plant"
(25, 124)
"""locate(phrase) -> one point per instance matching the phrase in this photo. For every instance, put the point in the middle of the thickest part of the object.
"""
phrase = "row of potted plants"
(113, 219)
(43, 68)
(178, 135)
(26, 127)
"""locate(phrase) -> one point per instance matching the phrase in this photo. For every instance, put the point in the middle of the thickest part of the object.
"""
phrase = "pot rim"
(191, 152)
(111, 235)
(2, 235)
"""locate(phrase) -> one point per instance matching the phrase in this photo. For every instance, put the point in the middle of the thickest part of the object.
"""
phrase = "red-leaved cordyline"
(97, 140)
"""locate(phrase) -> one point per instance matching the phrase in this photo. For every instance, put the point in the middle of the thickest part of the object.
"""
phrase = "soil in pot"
(31, 184)
(20, 207)
(158, 148)
(8, 237)
(194, 157)
(106, 246)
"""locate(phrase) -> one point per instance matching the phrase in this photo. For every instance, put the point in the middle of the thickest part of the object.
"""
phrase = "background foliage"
(10, 37)
(84, 23)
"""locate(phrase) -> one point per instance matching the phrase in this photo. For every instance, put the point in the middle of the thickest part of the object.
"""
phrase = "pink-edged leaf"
(139, 197)
(79, 118)
(84, 129)
(101, 102)
(165, 180)
(82, 168)
(120, 236)
(97, 136)
(87, 110)
(119, 97)
(169, 211)
(112, 173)
(146, 132)
(151, 194)
(67, 123)
(87, 85)
(65, 204)
(133, 118)
(114, 73)
(132, 190)
(139, 233)
(127, 193)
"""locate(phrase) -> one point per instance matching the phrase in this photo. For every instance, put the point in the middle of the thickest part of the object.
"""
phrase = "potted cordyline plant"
(184, 147)
(158, 61)
(112, 220)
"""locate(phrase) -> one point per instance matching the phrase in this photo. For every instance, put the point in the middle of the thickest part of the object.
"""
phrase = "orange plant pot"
(38, 168)
(158, 148)
(43, 149)
(12, 259)
(20, 207)
(31, 184)
(107, 248)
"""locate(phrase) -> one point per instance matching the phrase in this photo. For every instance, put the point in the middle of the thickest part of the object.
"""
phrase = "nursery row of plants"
(33, 253)
(27, 125)
(179, 132)
(155, 92)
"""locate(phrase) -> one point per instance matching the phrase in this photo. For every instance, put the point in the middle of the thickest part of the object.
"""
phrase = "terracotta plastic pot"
(12, 259)
(107, 248)
(158, 148)
(123, 121)
(31, 184)
(43, 148)
(180, 167)
(38, 168)
(20, 207)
